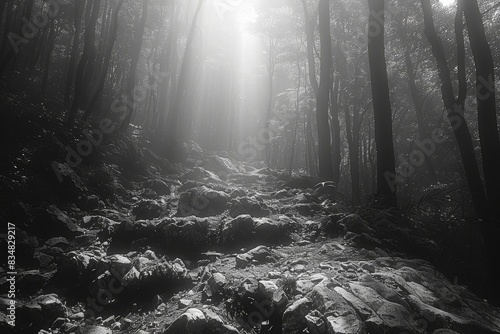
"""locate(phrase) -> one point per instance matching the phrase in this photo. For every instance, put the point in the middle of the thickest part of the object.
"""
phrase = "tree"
(455, 106)
(174, 119)
(323, 95)
(85, 66)
(486, 103)
(134, 61)
(386, 166)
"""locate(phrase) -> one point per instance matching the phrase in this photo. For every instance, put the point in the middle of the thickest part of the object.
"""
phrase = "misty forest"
(249, 166)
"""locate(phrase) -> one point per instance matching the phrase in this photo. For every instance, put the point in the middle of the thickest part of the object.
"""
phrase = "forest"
(249, 166)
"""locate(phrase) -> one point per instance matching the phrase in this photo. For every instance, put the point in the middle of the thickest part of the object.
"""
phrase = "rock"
(243, 260)
(57, 242)
(93, 330)
(268, 289)
(237, 231)
(90, 203)
(294, 318)
(186, 234)
(274, 274)
(201, 175)
(56, 223)
(246, 179)
(149, 194)
(77, 266)
(147, 209)
(193, 321)
(248, 205)
(216, 325)
(220, 166)
(114, 263)
(394, 316)
(214, 285)
(257, 255)
(202, 202)
(98, 222)
(158, 186)
(340, 316)
(316, 323)
(344, 324)
(283, 193)
(40, 312)
(69, 184)
(268, 231)
(183, 303)
(128, 232)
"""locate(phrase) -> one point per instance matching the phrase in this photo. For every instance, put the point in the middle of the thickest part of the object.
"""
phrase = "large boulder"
(220, 166)
(202, 202)
(188, 234)
(237, 231)
(52, 222)
(159, 186)
(148, 209)
(193, 321)
(248, 205)
(39, 313)
(201, 175)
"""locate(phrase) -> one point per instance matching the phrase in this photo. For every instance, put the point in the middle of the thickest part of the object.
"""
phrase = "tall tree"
(174, 123)
(488, 134)
(486, 103)
(323, 96)
(97, 93)
(77, 23)
(85, 66)
(455, 106)
(134, 61)
(386, 165)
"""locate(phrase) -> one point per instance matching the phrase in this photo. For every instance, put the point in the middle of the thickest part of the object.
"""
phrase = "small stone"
(274, 274)
(183, 303)
(300, 268)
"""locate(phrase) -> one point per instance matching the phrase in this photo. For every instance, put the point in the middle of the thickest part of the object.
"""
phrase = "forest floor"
(129, 241)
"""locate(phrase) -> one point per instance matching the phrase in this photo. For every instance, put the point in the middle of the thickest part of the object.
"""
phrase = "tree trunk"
(79, 6)
(48, 56)
(107, 57)
(334, 114)
(486, 104)
(174, 125)
(455, 110)
(488, 135)
(85, 60)
(322, 99)
(136, 53)
(386, 166)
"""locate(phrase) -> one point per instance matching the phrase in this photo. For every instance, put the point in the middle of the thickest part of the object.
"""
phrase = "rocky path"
(228, 248)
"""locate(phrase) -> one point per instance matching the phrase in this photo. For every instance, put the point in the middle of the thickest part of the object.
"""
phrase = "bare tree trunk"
(455, 110)
(78, 13)
(136, 53)
(85, 60)
(322, 99)
(174, 125)
(97, 94)
(486, 104)
(488, 135)
(386, 165)
(48, 55)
